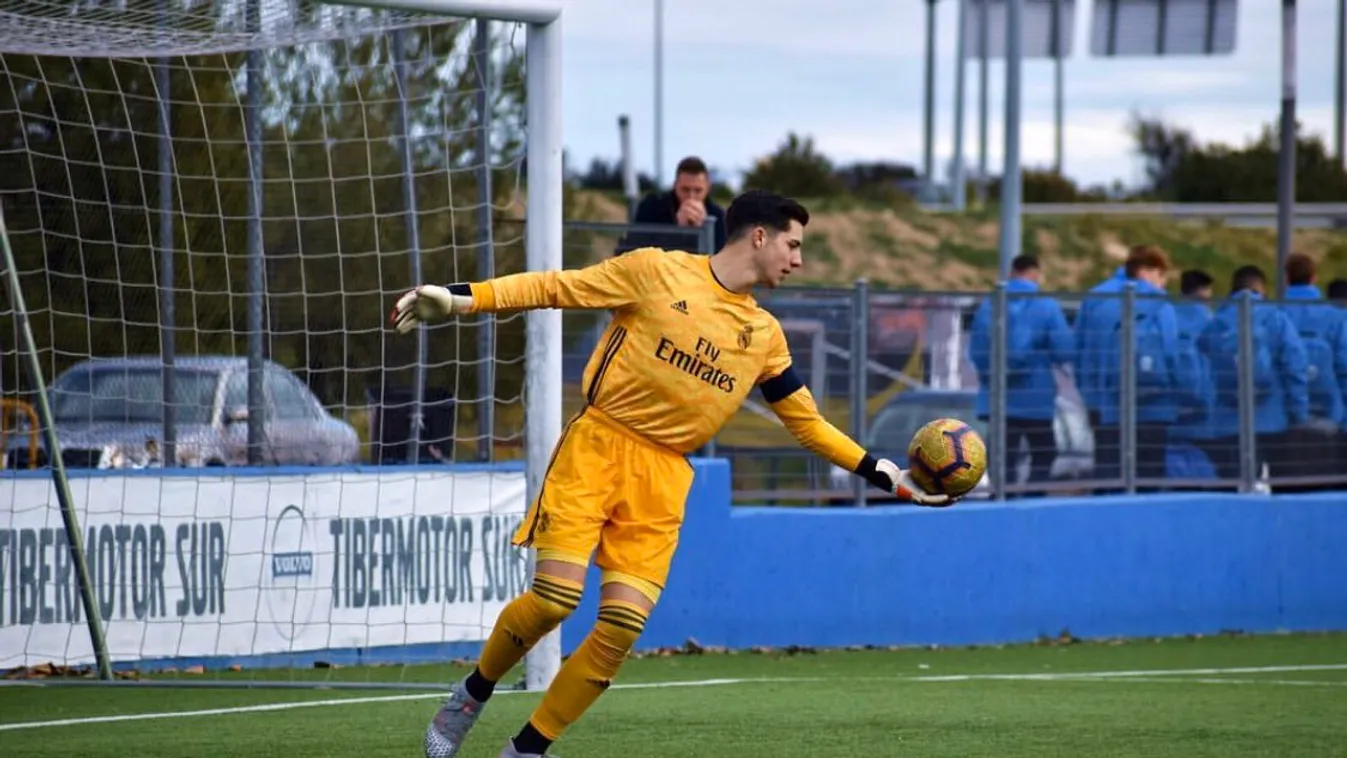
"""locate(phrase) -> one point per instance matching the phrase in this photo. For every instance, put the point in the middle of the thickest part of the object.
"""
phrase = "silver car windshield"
(123, 395)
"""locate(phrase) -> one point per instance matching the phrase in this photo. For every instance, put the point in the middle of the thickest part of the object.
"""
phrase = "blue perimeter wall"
(1163, 564)
(977, 573)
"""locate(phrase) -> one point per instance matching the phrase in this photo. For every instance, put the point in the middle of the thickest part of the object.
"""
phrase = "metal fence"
(1142, 394)
(881, 363)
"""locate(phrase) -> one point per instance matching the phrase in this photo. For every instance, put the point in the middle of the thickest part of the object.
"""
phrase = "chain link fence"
(1074, 393)
(1139, 394)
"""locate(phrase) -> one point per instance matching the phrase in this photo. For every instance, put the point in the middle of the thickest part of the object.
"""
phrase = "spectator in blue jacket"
(1337, 295)
(1086, 371)
(1319, 324)
(1159, 376)
(1192, 433)
(1281, 401)
(1037, 339)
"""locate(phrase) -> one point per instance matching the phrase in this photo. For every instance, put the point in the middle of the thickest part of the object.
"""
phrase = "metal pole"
(1058, 102)
(542, 329)
(997, 423)
(411, 222)
(706, 245)
(167, 295)
(928, 133)
(257, 408)
(960, 188)
(1010, 176)
(630, 188)
(860, 389)
(983, 36)
(486, 258)
(1340, 86)
(1286, 158)
(59, 478)
(1248, 442)
(659, 93)
(1127, 376)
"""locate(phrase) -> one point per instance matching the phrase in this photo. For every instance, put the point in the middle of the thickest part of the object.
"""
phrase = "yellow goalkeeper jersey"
(681, 353)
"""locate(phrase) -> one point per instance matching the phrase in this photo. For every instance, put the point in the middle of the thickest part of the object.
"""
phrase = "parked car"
(109, 413)
(894, 426)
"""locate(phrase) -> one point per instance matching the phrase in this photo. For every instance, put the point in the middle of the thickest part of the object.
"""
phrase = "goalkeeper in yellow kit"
(686, 345)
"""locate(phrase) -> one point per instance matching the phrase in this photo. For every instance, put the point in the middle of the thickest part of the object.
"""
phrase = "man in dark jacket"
(687, 204)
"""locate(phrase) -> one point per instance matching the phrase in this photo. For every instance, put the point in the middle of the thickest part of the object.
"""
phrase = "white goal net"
(211, 207)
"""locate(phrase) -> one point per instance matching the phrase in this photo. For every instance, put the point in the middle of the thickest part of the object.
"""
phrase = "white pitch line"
(356, 701)
(1128, 674)
(1208, 680)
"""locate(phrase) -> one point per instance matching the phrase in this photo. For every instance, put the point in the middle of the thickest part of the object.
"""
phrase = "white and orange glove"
(886, 475)
(429, 304)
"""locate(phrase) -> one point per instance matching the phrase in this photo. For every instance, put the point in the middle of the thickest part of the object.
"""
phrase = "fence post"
(997, 392)
(1127, 377)
(706, 241)
(1248, 443)
(706, 245)
(860, 385)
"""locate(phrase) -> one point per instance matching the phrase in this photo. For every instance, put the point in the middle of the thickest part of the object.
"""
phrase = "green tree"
(1181, 169)
(79, 184)
(796, 169)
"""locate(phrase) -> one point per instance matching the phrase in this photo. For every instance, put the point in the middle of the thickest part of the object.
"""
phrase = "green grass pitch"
(1226, 696)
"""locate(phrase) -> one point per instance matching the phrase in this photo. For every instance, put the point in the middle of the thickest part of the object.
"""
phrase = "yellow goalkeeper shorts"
(611, 490)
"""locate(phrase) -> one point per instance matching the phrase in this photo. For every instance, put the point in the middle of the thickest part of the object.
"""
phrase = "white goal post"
(542, 245)
(42, 30)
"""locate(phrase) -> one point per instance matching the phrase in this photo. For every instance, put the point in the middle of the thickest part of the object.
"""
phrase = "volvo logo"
(291, 594)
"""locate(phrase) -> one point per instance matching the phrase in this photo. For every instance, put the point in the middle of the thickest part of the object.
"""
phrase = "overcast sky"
(739, 74)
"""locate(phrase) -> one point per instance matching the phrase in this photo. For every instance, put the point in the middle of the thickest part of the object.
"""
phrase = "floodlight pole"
(928, 111)
(1010, 176)
(983, 36)
(1340, 87)
(1058, 97)
(1286, 156)
(659, 93)
(957, 179)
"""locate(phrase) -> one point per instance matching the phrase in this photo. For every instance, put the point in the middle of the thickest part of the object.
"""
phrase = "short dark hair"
(755, 208)
(1023, 263)
(1337, 289)
(691, 165)
(1193, 280)
(1145, 256)
(1299, 269)
(1245, 277)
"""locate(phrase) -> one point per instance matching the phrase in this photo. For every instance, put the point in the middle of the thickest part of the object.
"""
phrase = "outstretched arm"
(794, 405)
(612, 284)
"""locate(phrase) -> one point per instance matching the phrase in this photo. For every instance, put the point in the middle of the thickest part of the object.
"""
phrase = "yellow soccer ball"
(947, 457)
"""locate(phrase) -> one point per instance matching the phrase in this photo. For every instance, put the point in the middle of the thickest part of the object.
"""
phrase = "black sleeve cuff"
(867, 471)
(781, 386)
(460, 289)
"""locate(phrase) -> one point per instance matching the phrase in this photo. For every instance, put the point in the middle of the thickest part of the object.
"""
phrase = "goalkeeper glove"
(427, 304)
(886, 474)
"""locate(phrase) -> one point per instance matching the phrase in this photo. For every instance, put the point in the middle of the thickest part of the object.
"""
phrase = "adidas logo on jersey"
(681, 306)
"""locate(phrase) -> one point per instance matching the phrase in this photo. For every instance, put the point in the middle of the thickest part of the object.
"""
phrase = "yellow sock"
(591, 668)
(525, 620)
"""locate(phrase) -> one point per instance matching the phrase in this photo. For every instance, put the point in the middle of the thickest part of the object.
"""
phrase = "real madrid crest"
(746, 337)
